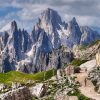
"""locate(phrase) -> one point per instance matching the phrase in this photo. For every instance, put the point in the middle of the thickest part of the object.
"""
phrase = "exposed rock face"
(21, 93)
(89, 65)
(98, 58)
(46, 60)
(88, 52)
(39, 90)
(42, 50)
(74, 33)
(88, 35)
(15, 43)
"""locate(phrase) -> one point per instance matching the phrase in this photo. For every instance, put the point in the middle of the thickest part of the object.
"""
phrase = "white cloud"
(31, 12)
(85, 11)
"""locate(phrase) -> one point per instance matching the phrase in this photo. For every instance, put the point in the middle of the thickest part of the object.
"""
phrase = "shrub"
(78, 62)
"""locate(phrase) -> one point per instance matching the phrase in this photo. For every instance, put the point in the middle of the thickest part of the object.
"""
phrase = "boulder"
(15, 85)
(89, 65)
(2, 87)
(21, 93)
(39, 90)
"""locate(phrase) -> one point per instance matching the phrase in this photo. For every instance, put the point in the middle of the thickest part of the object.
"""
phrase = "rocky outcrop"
(87, 52)
(98, 58)
(39, 90)
(88, 35)
(46, 60)
(89, 65)
(15, 43)
(21, 93)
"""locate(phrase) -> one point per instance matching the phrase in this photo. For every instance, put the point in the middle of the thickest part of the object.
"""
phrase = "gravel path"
(87, 90)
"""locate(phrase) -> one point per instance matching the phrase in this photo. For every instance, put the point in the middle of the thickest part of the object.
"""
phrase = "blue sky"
(26, 12)
(6, 10)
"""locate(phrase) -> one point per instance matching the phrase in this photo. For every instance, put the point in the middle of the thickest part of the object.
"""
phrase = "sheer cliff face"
(14, 44)
(49, 22)
(42, 50)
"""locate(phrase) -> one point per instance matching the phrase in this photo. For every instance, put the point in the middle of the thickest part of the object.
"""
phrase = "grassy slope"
(94, 43)
(15, 76)
(78, 62)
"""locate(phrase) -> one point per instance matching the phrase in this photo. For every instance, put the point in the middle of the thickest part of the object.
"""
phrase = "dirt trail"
(87, 90)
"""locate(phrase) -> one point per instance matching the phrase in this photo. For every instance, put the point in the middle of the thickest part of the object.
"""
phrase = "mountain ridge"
(43, 48)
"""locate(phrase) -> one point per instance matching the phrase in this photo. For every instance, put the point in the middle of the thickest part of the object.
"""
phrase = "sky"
(26, 12)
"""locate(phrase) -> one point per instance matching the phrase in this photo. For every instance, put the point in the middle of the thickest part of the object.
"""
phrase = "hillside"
(15, 76)
(87, 52)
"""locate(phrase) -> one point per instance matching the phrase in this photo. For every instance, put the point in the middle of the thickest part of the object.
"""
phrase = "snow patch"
(31, 52)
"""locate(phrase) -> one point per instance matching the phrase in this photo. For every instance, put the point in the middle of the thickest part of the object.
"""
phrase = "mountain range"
(48, 46)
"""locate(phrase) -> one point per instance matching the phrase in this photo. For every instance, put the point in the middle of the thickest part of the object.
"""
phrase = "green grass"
(79, 95)
(78, 62)
(15, 76)
(83, 47)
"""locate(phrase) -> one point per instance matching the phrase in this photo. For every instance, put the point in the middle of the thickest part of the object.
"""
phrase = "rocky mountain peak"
(13, 25)
(49, 14)
(73, 20)
(50, 18)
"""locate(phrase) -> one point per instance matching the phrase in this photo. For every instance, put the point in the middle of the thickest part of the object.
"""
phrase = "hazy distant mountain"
(96, 29)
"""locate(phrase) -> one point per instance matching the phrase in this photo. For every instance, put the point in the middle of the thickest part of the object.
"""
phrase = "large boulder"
(89, 65)
(2, 87)
(39, 90)
(21, 93)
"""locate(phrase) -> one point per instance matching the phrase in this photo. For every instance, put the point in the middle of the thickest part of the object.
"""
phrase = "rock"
(30, 82)
(39, 90)
(99, 89)
(98, 58)
(2, 87)
(60, 74)
(86, 53)
(54, 78)
(62, 95)
(89, 65)
(15, 85)
(21, 93)
(73, 98)
(69, 70)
